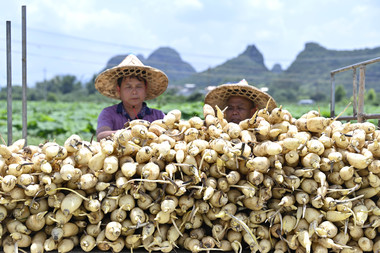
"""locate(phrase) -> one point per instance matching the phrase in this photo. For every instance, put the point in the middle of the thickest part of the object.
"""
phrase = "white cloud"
(72, 16)
(80, 21)
(80, 36)
(272, 5)
(185, 4)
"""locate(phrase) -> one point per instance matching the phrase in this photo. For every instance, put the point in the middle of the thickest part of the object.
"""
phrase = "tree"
(52, 97)
(371, 96)
(90, 85)
(42, 87)
(60, 84)
(319, 96)
(35, 95)
(340, 93)
(67, 83)
(196, 96)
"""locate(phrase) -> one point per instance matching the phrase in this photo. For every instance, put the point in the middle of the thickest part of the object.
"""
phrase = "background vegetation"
(64, 105)
(58, 120)
(308, 76)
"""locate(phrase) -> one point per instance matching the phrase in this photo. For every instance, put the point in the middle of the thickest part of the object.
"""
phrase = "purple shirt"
(115, 116)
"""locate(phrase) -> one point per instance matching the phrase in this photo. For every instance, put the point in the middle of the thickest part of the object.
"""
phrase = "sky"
(78, 37)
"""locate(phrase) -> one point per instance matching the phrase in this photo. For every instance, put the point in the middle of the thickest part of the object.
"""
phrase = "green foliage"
(59, 88)
(170, 97)
(32, 94)
(319, 96)
(196, 96)
(58, 112)
(60, 84)
(371, 97)
(90, 86)
(53, 120)
(282, 96)
(340, 93)
(35, 95)
(307, 77)
(51, 97)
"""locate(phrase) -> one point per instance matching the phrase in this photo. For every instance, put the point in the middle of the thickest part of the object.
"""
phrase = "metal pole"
(24, 84)
(9, 83)
(361, 94)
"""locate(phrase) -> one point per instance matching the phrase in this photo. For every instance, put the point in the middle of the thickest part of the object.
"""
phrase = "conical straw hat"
(220, 95)
(157, 81)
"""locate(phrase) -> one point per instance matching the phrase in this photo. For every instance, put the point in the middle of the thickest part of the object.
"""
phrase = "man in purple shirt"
(132, 83)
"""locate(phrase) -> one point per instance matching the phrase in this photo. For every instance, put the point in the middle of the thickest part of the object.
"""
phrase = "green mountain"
(310, 75)
(248, 65)
(164, 58)
(307, 77)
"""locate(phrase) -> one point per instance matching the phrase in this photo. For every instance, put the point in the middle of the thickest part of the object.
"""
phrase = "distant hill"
(277, 68)
(164, 58)
(307, 77)
(309, 74)
(248, 65)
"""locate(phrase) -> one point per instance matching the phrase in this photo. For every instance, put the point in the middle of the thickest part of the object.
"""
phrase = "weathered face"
(239, 108)
(132, 91)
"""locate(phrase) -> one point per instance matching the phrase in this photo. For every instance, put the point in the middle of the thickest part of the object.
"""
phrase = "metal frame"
(24, 79)
(9, 83)
(358, 107)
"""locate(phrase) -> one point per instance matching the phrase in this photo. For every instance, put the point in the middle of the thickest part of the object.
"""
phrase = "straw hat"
(157, 81)
(222, 93)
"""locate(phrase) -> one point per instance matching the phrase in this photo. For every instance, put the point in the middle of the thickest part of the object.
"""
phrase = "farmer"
(241, 99)
(132, 82)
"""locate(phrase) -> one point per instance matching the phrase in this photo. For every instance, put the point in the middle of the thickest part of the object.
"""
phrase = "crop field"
(58, 120)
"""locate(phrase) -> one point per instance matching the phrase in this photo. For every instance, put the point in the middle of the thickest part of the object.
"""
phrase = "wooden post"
(332, 105)
(361, 94)
(354, 92)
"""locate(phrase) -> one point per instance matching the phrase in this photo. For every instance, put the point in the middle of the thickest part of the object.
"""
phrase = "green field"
(58, 120)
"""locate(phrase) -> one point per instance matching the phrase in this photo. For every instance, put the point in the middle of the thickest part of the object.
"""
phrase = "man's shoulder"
(111, 108)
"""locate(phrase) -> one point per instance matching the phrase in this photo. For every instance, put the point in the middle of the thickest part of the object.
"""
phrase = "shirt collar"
(145, 110)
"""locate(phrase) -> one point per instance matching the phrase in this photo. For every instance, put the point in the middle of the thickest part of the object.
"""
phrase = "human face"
(132, 91)
(239, 108)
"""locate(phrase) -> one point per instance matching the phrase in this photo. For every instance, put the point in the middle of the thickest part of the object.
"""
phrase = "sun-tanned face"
(132, 91)
(239, 108)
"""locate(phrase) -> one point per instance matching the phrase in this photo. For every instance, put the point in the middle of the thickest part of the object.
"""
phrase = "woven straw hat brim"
(157, 81)
(220, 95)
